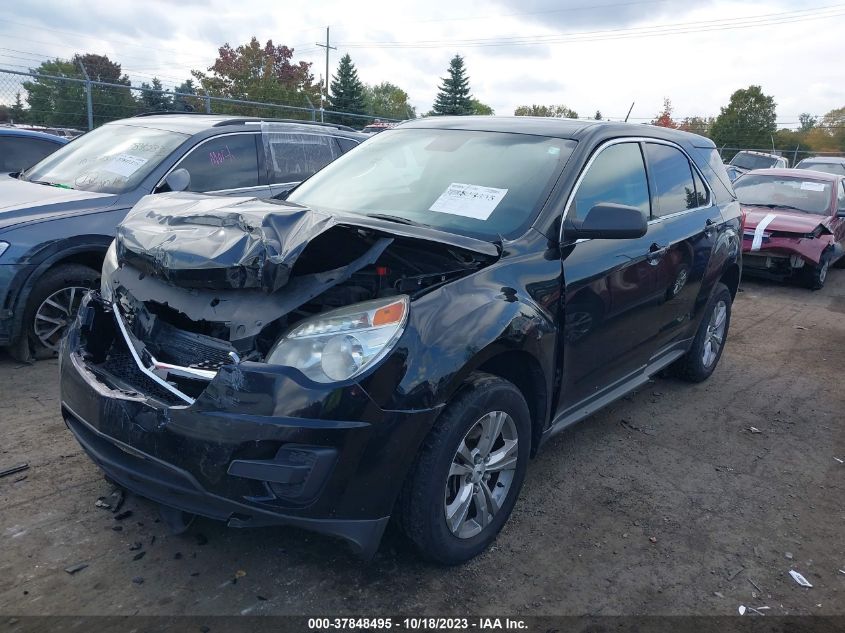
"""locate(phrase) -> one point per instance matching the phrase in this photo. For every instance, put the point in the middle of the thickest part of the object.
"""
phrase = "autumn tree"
(555, 111)
(389, 101)
(347, 92)
(697, 125)
(454, 96)
(747, 122)
(664, 117)
(253, 72)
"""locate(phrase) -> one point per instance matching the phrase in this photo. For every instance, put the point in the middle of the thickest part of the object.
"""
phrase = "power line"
(606, 34)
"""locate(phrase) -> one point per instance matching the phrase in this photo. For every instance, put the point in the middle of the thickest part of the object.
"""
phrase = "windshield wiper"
(50, 184)
(396, 218)
(779, 206)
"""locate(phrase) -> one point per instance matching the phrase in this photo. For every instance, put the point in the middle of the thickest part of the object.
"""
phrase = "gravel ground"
(664, 503)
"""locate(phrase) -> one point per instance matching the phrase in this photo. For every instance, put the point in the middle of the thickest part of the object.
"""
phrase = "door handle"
(709, 227)
(655, 253)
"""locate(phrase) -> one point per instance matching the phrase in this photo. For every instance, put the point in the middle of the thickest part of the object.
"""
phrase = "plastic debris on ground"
(799, 578)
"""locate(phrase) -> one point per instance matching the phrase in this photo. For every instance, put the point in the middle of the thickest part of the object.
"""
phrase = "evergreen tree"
(454, 97)
(155, 101)
(182, 103)
(347, 92)
(598, 116)
(17, 113)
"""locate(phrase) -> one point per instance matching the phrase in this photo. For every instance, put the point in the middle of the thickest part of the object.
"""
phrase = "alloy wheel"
(715, 335)
(55, 314)
(481, 474)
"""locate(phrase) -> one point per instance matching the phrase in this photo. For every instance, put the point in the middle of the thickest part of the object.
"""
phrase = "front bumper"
(261, 445)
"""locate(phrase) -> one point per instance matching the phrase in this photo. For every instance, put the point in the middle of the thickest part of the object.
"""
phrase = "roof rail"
(160, 112)
(256, 119)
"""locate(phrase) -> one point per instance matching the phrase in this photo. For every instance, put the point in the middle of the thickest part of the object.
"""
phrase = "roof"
(829, 160)
(192, 123)
(52, 138)
(796, 173)
(758, 153)
(553, 127)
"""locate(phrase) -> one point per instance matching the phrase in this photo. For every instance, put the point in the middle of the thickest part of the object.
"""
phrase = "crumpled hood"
(205, 241)
(784, 220)
(22, 201)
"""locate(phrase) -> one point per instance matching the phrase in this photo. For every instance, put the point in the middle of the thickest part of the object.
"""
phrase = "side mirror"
(609, 221)
(178, 179)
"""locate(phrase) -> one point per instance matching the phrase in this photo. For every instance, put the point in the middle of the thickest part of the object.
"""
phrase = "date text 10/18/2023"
(481, 624)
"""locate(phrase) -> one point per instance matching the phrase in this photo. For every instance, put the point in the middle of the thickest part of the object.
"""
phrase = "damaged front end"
(238, 360)
(777, 253)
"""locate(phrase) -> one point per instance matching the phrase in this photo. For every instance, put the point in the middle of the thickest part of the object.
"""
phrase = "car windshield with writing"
(482, 184)
(794, 194)
(110, 159)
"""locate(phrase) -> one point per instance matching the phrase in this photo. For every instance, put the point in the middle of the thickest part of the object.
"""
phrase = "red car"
(795, 223)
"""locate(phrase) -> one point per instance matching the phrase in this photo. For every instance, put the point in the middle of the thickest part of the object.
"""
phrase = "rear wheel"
(468, 474)
(51, 307)
(709, 342)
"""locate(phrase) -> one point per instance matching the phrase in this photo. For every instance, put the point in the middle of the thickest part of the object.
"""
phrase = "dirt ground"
(664, 503)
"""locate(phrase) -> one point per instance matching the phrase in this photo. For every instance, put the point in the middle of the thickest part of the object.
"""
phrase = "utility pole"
(328, 48)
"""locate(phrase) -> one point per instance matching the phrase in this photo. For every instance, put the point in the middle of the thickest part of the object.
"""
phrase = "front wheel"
(815, 276)
(468, 474)
(709, 342)
(51, 307)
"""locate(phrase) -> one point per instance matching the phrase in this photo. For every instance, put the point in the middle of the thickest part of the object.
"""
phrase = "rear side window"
(829, 168)
(673, 179)
(346, 144)
(294, 157)
(224, 162)
(616, 175)
(18, 153)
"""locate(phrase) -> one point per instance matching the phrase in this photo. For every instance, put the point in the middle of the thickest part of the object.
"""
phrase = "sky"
(600, 56)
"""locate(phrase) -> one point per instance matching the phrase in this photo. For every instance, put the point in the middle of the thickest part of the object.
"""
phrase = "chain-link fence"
(72, 105)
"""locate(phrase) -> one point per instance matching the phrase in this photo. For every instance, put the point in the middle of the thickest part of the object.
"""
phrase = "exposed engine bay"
(192, 290)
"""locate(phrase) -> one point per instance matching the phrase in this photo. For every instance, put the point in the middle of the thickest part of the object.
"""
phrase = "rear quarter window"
(711, 165)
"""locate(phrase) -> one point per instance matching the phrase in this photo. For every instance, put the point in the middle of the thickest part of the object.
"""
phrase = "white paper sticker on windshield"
(469, 201)
(125, 164)
(812, 186)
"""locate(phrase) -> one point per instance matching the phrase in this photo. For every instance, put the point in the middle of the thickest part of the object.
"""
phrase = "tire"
(700, 361)
(63, 285)
(432, 489)
(814, 277)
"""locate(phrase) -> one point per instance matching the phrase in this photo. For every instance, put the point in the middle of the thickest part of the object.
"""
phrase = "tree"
(747, 122)
(4, 113)
(347, 92)
(664, 118)
(17, 113)
(481, 108)
(182, 103)
(454, 96)
(598, 116)
(697, 125)
(254, 72)
(388, 100)
(807, 121)
(155, 101)
(63, 103)
(556, 111)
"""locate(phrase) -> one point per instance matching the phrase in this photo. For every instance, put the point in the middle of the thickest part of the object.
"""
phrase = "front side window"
(113, 158)
(224, 162)
(795, 194)
(616, 175)
(481, 184)
(672, 176)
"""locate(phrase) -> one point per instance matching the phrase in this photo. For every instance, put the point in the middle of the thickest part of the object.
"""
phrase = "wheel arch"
(730, 277)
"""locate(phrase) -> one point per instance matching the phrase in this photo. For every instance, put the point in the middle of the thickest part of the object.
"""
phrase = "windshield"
(481, 184)
(809, 196)
(110, 159)
(748, 161)
(828, 168)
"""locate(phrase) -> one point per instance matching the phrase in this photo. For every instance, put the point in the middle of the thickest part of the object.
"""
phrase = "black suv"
(58, 217)
(406, 329)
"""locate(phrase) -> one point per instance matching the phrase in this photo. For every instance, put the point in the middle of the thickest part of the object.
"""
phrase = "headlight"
(109, 266)
(339, 345)
(3, 247)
